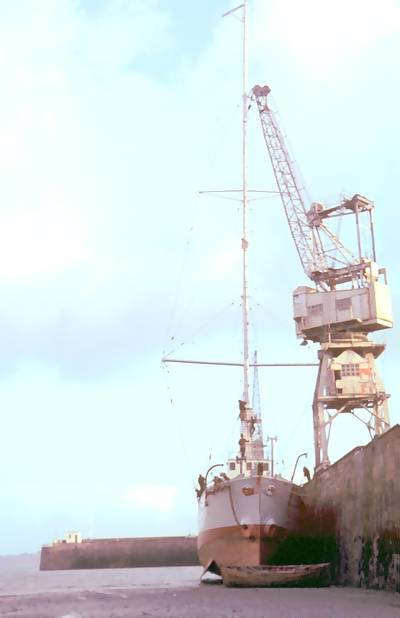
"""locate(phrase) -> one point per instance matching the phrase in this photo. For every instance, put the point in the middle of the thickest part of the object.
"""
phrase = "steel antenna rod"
(245, 243)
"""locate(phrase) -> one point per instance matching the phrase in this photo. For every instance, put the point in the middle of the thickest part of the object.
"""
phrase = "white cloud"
(40, 241)
(124, 30)
(152, 497)
(322, 34)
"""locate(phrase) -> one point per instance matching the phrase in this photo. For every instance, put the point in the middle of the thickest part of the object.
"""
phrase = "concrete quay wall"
(353, 509)
(120, 553)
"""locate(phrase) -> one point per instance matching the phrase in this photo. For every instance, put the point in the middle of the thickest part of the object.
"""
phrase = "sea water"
(21, 575)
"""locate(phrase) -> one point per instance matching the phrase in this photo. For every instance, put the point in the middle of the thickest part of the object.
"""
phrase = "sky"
(114, 114)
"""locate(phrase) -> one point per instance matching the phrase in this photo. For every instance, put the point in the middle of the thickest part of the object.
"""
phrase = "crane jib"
(320, 250)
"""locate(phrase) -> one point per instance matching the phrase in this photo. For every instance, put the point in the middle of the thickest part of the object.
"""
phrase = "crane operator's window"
(343, 303)
(315, 309)
(350, 369)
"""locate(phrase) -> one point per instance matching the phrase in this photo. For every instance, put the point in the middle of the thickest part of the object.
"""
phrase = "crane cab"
(363, 309)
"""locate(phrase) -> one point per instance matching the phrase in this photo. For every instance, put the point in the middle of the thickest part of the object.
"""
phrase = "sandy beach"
(170, 592)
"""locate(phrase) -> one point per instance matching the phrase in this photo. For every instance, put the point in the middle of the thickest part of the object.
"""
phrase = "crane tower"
(348, 300)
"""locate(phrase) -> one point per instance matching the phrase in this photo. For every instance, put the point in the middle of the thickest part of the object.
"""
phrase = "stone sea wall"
(353, 514)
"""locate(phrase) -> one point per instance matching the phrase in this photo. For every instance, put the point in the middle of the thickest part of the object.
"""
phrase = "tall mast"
(245, 244)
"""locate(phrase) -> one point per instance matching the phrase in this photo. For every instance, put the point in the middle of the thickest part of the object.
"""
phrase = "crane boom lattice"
(348, 300)
(324, 258)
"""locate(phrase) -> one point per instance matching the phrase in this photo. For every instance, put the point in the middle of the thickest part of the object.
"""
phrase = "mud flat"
(172, 592)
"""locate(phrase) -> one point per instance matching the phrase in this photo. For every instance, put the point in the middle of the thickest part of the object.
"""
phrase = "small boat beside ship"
(294, 575)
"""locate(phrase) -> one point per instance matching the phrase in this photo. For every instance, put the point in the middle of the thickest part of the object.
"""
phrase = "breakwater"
(120, 553)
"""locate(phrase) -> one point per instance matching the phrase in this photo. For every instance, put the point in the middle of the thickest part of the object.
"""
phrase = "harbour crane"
(349, 298)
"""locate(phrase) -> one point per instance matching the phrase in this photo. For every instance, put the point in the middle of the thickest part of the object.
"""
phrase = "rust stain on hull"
(251, 545)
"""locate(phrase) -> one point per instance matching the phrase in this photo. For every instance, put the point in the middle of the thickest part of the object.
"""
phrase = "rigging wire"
(201, 330)
(229, 445)
(227, 449)
(294, 433)
(185, 261)
(179, 425)
(229, 440)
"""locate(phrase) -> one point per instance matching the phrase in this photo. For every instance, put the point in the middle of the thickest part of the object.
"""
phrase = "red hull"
(252, 545)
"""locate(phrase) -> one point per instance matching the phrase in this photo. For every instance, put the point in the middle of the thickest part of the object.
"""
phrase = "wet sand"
(172, 592)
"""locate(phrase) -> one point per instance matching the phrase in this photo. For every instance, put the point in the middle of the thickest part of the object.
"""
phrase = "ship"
(247, 511)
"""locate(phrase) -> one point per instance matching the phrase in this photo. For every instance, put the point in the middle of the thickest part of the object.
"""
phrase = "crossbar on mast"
(228, 364)
(240, 6)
